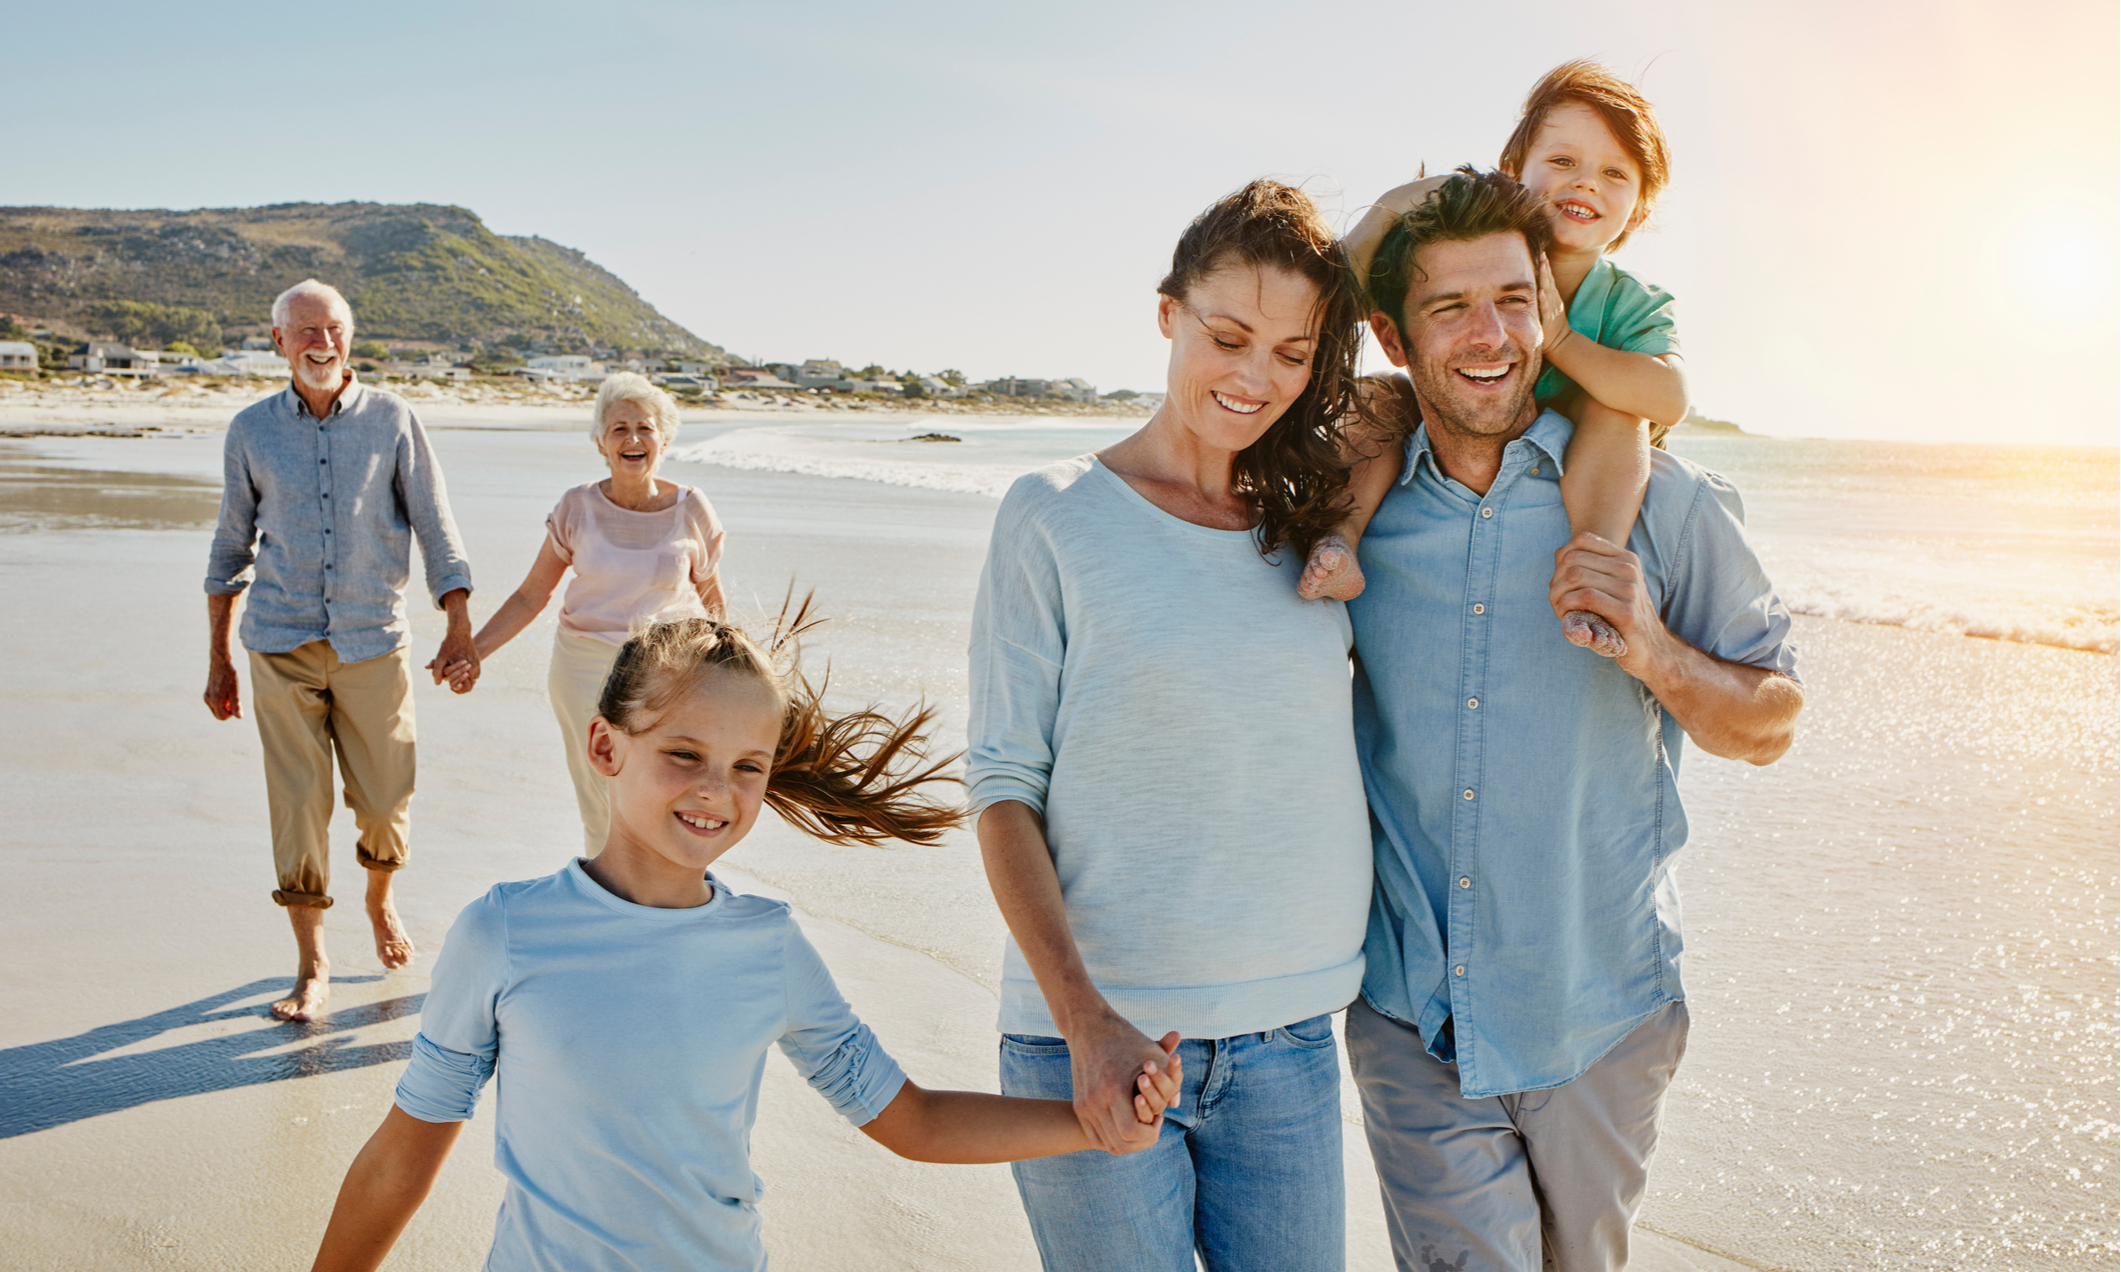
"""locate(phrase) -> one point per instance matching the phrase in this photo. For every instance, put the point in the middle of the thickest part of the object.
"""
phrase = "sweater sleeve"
(459, 1040)
(1019, 641)
(827, 1043)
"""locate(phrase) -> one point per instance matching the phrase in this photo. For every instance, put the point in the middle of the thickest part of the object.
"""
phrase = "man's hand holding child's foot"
(1331, 573)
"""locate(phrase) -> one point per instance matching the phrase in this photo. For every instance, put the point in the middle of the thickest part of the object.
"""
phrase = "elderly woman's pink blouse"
(632, 567)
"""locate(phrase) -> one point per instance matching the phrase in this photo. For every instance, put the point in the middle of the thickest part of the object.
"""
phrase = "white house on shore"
(251, 362)
(17, 355)
(563, 366)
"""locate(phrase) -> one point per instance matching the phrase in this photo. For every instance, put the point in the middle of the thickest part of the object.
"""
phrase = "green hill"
(413, 272)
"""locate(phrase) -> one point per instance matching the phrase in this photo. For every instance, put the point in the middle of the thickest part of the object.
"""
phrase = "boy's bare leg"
(1607, 471)
(312, 969)
(393, 945)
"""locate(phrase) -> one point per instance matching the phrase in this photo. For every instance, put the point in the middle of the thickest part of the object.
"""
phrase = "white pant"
(579, 666)
(1507, 1183)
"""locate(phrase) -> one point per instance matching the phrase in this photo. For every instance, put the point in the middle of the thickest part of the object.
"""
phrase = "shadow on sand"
(49, 1084)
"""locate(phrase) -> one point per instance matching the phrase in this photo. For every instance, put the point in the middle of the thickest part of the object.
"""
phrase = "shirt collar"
(348, 396)
(1549, 435)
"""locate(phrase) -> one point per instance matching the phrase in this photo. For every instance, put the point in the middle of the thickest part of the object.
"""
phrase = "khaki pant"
(579, 667)
(307, 705)
(1511, 1183)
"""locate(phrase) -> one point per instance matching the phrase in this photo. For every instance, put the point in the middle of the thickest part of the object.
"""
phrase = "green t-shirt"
(1619, 311)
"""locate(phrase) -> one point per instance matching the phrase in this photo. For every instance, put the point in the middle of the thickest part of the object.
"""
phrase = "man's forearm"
(1732, 710)
(220, 624)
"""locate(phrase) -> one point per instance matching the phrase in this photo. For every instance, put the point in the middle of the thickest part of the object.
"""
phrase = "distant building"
(695, 368)
(260, 342)
(17, 355)
(250, 362)
(563, 366)
(754, 378)
(112, 358)
(1073, 389)
(820, 373)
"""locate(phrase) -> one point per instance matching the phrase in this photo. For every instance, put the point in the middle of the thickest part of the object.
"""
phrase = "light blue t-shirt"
(1524, 791)
(629, 1043)
(1180, 717)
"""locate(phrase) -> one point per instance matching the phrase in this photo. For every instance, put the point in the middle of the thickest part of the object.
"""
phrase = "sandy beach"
(1924, 889)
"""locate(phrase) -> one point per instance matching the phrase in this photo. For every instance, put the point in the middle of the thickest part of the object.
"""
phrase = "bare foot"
(312, 988)
(1584, 628)
(1332, 572)
(393, 947)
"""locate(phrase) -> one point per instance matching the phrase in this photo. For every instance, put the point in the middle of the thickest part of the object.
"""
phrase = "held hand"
(1105, 1060)
(457, 661)
(1591, 574)
(1156, 1087)
(224, 695)
(1553, 315)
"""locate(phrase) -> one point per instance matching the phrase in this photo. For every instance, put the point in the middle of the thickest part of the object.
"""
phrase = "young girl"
(1590, 145)
(626, 1002)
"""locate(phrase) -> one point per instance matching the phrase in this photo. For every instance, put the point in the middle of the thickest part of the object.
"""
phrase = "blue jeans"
(1246, 1173)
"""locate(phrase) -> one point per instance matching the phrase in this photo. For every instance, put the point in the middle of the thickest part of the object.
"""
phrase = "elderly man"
(1522, 1012)
(326, 484)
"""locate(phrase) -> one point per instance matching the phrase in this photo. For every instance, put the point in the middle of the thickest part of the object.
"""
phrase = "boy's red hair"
(1626, 112)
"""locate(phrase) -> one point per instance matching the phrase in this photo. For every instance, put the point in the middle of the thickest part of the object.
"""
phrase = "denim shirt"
(317, 519)
(1523, 792)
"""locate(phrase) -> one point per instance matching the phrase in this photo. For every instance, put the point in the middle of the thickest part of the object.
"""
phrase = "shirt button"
(1535, 470)
(1465, 881)
(1472, 704)
(1469, 790)
(1487, 512)
(1459, 970)
(1480, 609)
(323, 461)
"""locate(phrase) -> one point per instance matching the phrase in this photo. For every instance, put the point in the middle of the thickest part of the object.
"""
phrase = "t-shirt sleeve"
(1720, 599)
(1643, 321)
(827, 1043)
(1019, 641)
(707, 528)
(459, 1040)
(559, 526)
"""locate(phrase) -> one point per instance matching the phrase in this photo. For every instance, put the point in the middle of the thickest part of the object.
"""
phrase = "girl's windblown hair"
(855, 778)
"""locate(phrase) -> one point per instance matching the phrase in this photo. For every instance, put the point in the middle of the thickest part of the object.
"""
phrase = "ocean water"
(2009, 543)
(1902, 937)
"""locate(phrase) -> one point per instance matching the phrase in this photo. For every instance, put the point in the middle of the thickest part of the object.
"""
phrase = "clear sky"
(1892, 219)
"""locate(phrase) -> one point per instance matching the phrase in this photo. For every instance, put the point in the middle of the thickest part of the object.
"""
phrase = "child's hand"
(1553, 315)
(1157, 1087)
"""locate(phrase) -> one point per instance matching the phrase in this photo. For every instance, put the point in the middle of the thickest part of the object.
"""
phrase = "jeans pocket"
(1311, 1035)
(1034, 1045)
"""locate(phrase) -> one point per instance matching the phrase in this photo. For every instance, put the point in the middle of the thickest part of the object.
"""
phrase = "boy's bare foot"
(393, 944)
(312, 989)
(1331, 573)
(1584, 628)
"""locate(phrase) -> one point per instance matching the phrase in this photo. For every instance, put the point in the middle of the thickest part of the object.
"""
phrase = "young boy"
(1589, 145)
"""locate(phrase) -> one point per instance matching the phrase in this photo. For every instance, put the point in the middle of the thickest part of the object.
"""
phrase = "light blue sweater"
(1182, 720)
(629, 1042)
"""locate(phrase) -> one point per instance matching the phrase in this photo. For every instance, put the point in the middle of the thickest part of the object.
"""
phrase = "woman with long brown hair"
(1163, 765)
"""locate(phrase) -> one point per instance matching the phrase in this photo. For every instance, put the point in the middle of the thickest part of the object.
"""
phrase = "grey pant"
(1511, 1183)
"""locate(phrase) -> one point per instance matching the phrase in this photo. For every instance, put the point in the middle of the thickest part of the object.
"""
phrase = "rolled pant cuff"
(316, 900)
(375, 863)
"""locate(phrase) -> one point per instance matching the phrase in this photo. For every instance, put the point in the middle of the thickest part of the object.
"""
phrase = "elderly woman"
(642, 549)
(1163, 761)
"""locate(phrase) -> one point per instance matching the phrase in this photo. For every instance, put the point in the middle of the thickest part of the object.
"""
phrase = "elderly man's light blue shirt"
(1523, 792)
(318, 517)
